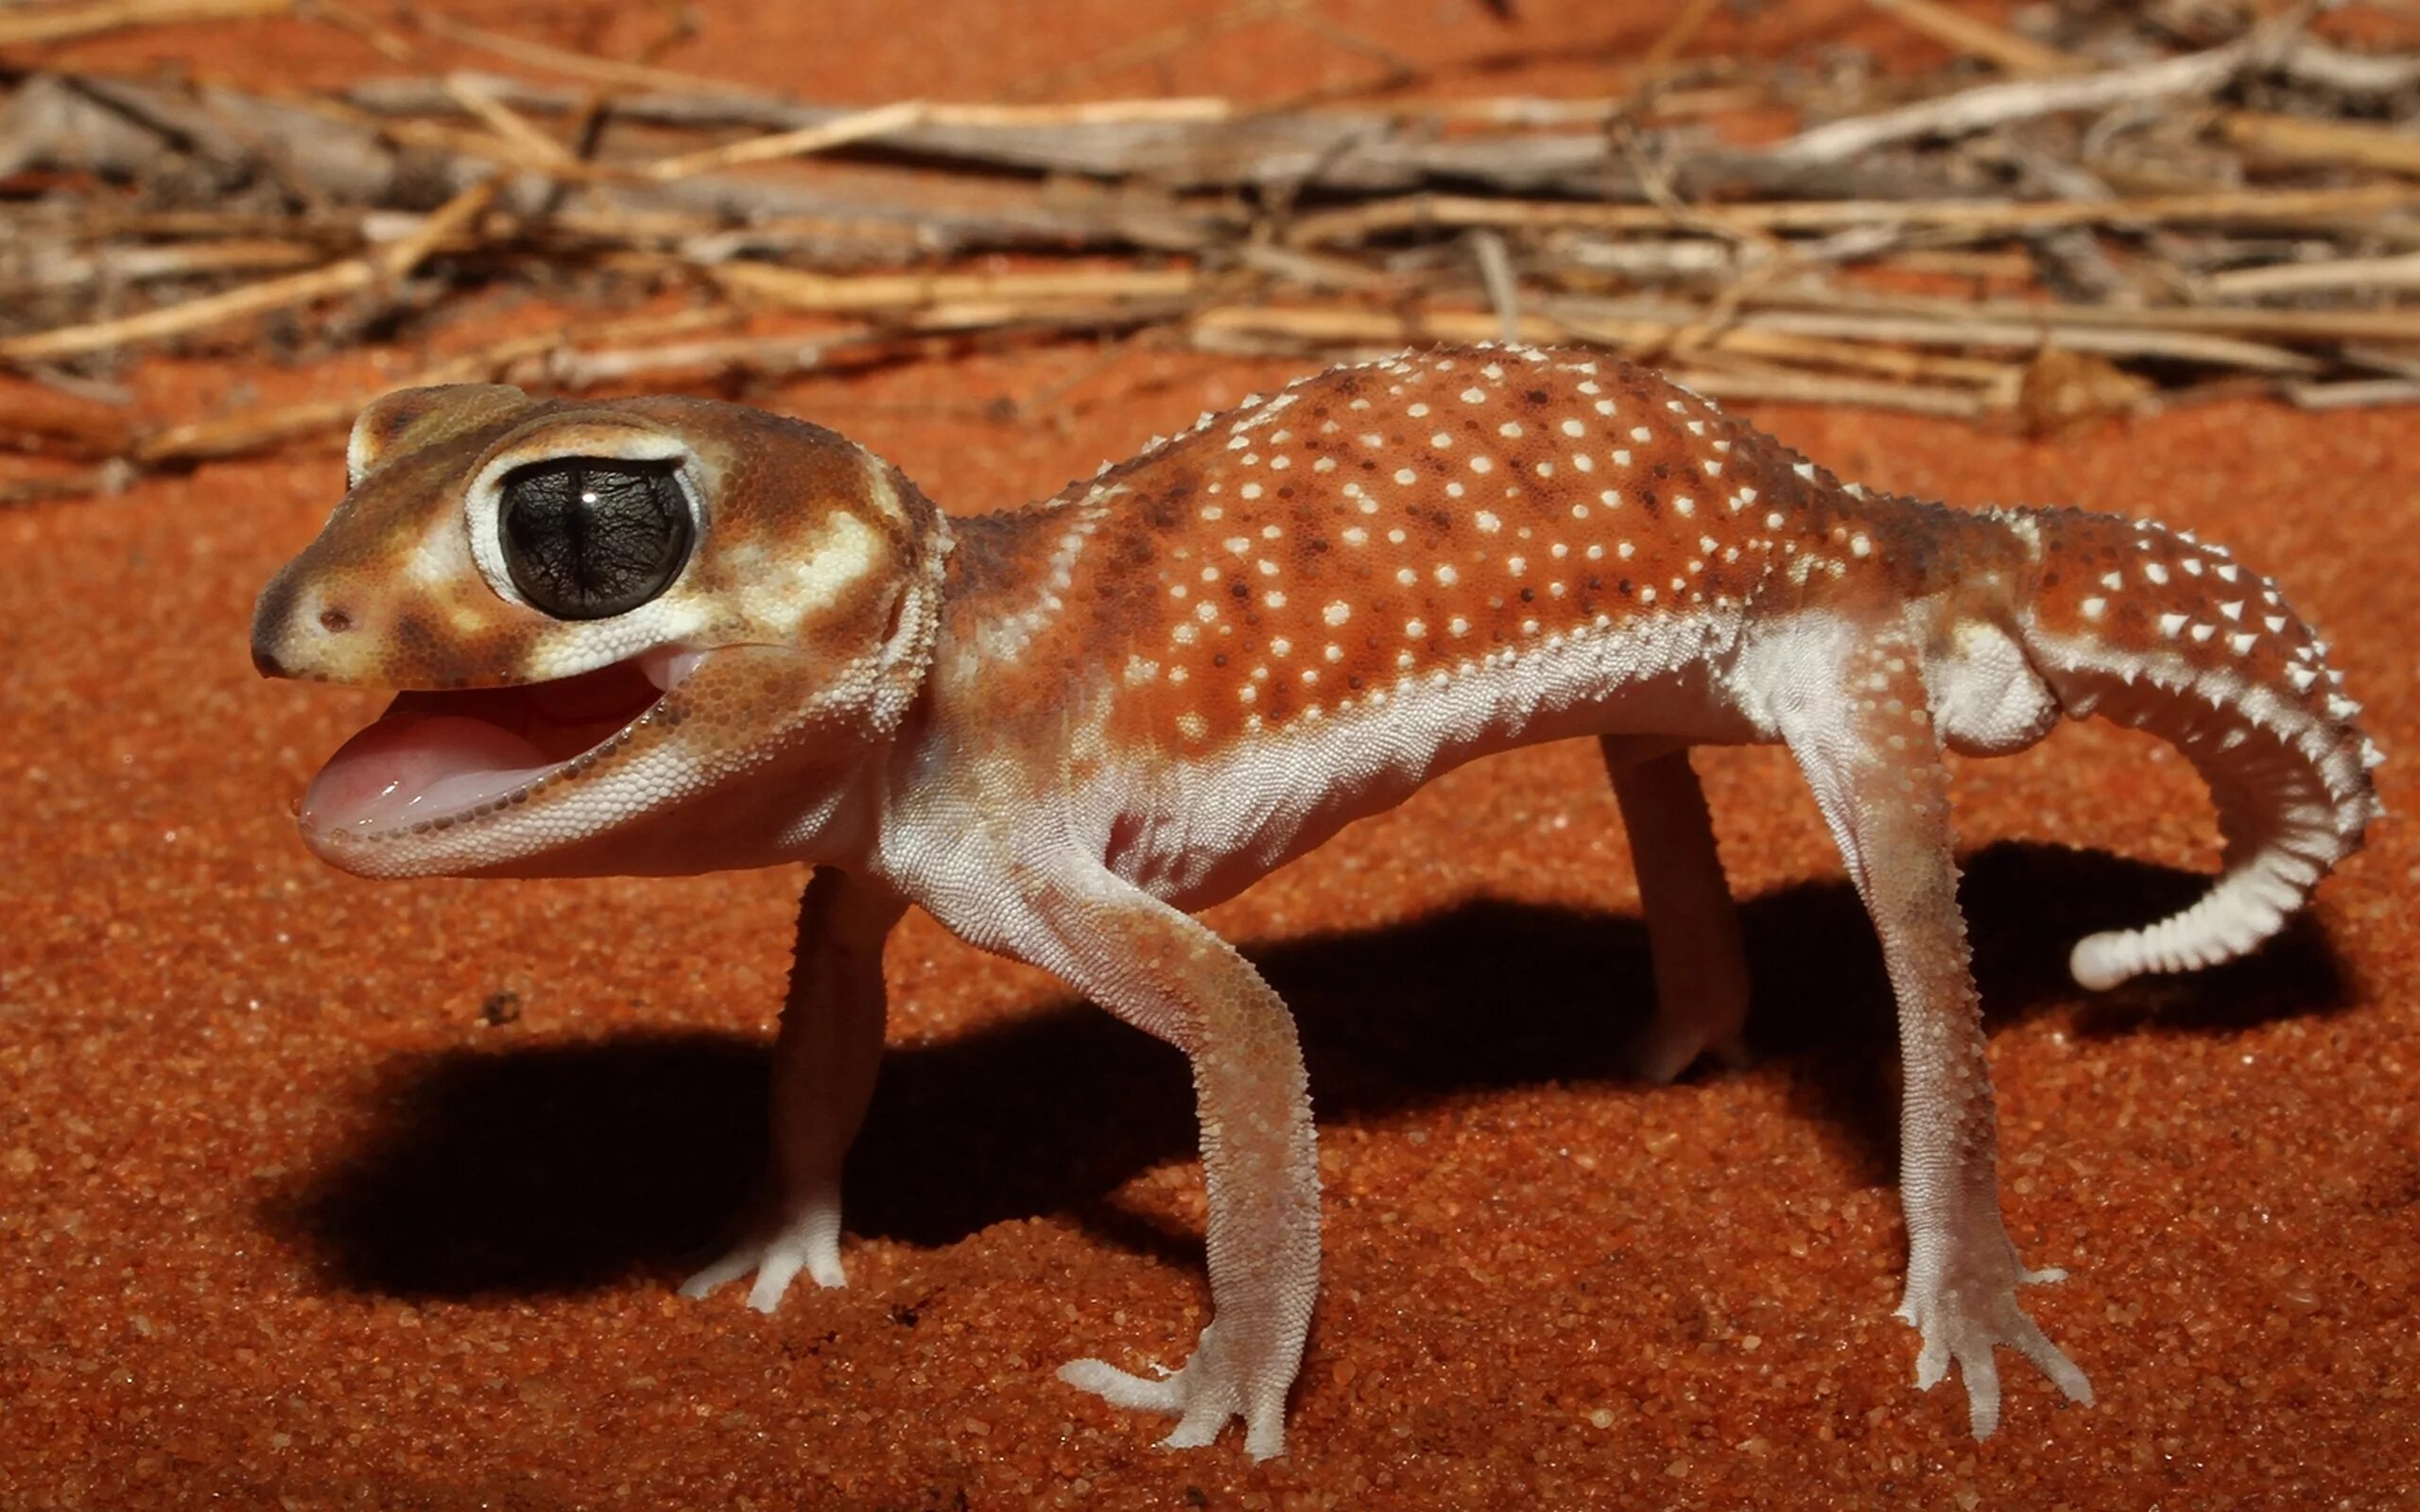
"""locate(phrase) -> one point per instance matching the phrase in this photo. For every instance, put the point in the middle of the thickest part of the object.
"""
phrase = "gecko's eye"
(588, 537)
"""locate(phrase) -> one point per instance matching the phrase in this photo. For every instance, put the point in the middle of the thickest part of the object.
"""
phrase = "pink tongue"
(408, 765)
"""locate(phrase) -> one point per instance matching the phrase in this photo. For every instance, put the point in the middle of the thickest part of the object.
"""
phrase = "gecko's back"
(1297, 611)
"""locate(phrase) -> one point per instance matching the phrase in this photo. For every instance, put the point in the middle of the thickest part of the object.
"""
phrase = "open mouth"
(435, 757)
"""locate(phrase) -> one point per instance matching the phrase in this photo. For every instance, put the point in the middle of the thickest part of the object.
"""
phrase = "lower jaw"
(435, 761)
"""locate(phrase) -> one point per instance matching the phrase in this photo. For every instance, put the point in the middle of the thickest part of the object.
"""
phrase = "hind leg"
(1692, 925)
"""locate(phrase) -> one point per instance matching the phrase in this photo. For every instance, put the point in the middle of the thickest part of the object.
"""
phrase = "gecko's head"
(600, 619)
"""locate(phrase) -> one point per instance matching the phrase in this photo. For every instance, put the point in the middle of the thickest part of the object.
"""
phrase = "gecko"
(667, 635)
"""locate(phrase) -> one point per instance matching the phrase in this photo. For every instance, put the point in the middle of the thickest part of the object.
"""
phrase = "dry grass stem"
(192, 315)
(2298, 139)
(814, 291)
(2360, 273)
(1995, 105)
(1980, 216)
(2364, 394)
(880, 121)
(70, 22)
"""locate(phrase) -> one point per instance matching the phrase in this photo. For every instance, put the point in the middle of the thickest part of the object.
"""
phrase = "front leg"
(1860, 726)
(1166, 973)
(824, 1061)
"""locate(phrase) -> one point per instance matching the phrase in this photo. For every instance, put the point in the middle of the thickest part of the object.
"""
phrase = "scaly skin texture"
(1058, 730)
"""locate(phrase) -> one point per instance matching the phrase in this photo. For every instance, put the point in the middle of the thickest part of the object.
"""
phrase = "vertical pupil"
(584, 538)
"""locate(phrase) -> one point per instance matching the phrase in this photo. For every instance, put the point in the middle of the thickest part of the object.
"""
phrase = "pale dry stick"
(1378, 343)
(857, 126)
(2358, 394)
(2308, 61)
(975, 317)
(186, 317)
(821, 292)
(2345, 144)
(1315, 270)
(456, 215)
(2281, 325)
(95, 223)
(251, 430)
(1433, 212)
(1337, 325)
(506, 122)
(2027, 335)
(80, 483)
(2007, 267)
(579, 367)
(189, 316)
(140, 264)
(1784, 335)
(784, 355)
(886, 120)
(1496, 276)
(1644, 342)
(1173, 110)
(486, 146)
(119, 15)
(1831, 389)
(2360, 273)
(1993, 105)
(1973, 36)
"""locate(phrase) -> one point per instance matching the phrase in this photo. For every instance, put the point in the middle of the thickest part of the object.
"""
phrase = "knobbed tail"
(2149, 628)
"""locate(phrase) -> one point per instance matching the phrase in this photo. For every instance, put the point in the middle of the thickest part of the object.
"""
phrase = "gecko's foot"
(1962, 1321)
(1202, 1397)
(807, 1239)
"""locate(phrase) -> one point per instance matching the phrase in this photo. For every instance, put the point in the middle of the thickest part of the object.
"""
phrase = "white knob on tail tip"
(2099, 962)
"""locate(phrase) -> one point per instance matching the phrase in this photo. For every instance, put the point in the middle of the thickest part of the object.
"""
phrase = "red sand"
(286, 1219)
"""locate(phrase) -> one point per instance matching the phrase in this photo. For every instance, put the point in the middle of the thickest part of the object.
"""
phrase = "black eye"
(588, 537)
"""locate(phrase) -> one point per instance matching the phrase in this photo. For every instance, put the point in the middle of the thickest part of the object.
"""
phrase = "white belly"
(1199, 831)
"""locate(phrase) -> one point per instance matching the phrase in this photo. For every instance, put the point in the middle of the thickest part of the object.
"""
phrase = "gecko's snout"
(270, 615)
(289, 636)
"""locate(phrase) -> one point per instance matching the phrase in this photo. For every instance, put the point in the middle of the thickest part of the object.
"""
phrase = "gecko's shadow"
(563, 1166)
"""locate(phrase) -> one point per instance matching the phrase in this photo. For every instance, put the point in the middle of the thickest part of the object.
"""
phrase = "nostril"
(335, 621)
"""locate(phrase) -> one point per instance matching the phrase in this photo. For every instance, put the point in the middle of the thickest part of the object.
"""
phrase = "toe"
(1265, 1434)
(773, 1276)
(1199, 1427)
(1121, 1388)
(1983, 1390)
(732, 1267)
